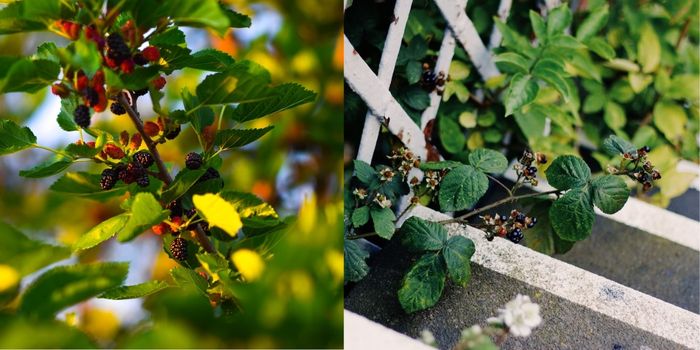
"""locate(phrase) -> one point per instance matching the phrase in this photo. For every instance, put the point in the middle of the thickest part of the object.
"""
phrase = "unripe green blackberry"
(193, 161)
(144, 158)
(178, 249)
(117, 108)
(109, 179)
(82, 116)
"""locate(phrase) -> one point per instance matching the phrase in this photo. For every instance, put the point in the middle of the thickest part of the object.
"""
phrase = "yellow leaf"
(249, 263)
(334, 259)
(100, 324)
(648, 48)
(307, 214)
(218, 212)
(9, 278)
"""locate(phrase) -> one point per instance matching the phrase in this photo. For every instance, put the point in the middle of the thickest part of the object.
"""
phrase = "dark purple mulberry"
(178, 249)
(144, 158)
(82, 116)
(117, 108)
(193, 161)
(109, 179)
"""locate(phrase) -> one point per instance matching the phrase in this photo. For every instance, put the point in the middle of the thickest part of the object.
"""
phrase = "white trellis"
(374, 89)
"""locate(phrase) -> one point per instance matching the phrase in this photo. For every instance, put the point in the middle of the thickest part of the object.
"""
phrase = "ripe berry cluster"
(526, 170)
(635, 165)
(510, 227)
(178, 249)
(431, 81)
(134, 171)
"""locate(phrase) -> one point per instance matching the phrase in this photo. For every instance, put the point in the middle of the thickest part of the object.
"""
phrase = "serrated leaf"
(513, 40)
(102, 232)
(188, 278)
(172, 36)
(189, 13)
(145, 212)
(237, 20)
(549, 71)
(610, 193)
(614, 145)
(210, 60)
(413, 71)
(355, 266)
(419, 235)
(184, 180)
(451, 136)
(86, 185)
(488, 161)
(364, 172)
(24, 254)
(360, 216)
(82, 53)
(248, 205)
(218, 213)
(134, 291)
(383, 220)
(572, 215)
(444, 164)
(64, 286)
(568, 172)
(65, 116)
(593, 23)
(461, 188)
(50, 167)
(521, 91)
(244, 82)
(422, 286)
(25, 16)
(457, 253)
(28, 75)
(14, 138)
(232, 138)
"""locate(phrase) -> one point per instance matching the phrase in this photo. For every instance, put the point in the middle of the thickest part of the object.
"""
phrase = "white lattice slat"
(379, 100)
(387, 63)
(466, 34)
(503, 11)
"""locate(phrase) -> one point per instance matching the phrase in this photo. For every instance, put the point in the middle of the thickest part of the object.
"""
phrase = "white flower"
(361, 193)
(427, 337)
(382, 201)
(386, 174)
(520, 315)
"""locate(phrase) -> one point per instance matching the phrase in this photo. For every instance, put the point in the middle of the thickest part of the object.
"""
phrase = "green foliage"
(14, 138)
(354, 257)
(135, 291)
(422, 286)
(24, 254)
(462, 188)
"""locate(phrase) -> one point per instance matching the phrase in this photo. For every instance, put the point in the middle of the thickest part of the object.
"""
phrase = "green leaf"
(670, 119)
(184, 180)
(145, 212)
(170, 37)
(139, 79)
(538, 26)
(102, 232)
(135, 291)
(416, 98)
(355, 266)
(684, 86)
(364, 172)
(522, 90)
(24, 254)
(513, 40)
(244, 82)
(64, 286)
(444, 164)
(278, 98)
(188, 278)
(82, 53)
(568, 172)
(383, 220)
(549, 71)
(488, 161)
(189, 13)
(414, 70)
(601, 48)
(419, 235)
(65, 116)
(27, 75)
(14, 138)
(86, 185)
(458, 70)
(594, 103)
(451, 135)
(564, 41)
(423, 284)
(456, 88)
(512, 62)
(52, 166)
(614, 145)
(610, 193)
(558, 20)
(415, 50)
(210, 60)
(21, 333)
(462, 188)
(458, 251)
(25, 16)
(232, 138)
(248, 205)
(360, 216)
(614, 116)
(648, 48)
(572, 215)
(237, 20)
(593, 23)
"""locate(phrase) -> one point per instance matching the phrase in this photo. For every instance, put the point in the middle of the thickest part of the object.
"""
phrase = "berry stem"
(496, 204)
(510, 194)
(164, 174)
(363, 235)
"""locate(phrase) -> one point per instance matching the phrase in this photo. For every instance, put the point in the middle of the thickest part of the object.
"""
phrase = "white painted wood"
(644, 216)
(465, 32)
(387, 63)
(376, 94)
(503, 11)
(685, 166)
(363, 334)
(577, 285)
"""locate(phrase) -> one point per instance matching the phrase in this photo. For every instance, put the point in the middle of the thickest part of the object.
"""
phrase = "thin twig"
(496, 204)
(363, 235)
(510, 194)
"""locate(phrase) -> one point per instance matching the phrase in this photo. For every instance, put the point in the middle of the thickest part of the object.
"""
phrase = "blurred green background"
(297, 168)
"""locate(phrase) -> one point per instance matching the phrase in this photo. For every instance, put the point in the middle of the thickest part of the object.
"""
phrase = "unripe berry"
(152, 129)
(60, 90)
(82, 81)
(151, 53)
(135, 141)
(113, 151)
(127, 66)
(160, 229)
(159, 83)
(101, 102)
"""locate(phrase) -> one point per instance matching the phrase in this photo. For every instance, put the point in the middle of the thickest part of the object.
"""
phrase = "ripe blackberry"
(172, 133)
(109, 179)
(133, 172)
(210, 174)
(92, 97)
(532, 170)
(515, 236)
(82, 116)
(117, 108)
(117, 48)
(532, 223)
(193, 161)
(139, 59)
(520, 218)
(175, 208)
(143, 180)
(144, 158)
(178, 249)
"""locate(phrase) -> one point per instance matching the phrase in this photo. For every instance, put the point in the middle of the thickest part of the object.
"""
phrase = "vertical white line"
(503, 11)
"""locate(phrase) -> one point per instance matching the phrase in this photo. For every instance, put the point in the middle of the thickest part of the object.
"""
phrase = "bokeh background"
(297, 168)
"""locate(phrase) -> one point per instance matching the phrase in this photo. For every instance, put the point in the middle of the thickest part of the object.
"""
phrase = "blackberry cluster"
(178, 249)
(109, 179)
(431, 81)
(82, 116)
(117, 108)
(525, 168)
(144, 158)
(510, 227)
(133, 172)
(193, 160)
(117, 49)
(175, 208)
(635, 165)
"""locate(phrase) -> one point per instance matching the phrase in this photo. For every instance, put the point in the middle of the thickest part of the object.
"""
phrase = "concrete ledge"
(363, 334)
